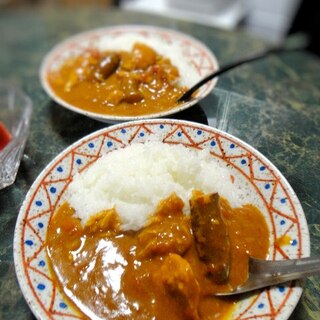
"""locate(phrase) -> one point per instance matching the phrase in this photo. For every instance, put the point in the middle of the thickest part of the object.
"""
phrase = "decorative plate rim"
(33, 300)
(203, 92)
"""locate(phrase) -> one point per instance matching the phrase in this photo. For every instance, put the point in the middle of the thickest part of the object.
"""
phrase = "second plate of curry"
(127, 73)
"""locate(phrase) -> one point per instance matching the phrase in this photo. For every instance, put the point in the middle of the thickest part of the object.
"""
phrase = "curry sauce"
(153, 273)
(124, 83)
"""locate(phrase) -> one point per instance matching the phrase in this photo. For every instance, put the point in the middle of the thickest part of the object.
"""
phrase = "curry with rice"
(170, 268)
(122, 83)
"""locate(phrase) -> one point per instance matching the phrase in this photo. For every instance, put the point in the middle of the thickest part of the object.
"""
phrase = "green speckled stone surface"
(275, 106)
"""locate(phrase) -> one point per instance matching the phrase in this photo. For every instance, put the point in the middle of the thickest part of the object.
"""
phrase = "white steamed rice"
(134, 179)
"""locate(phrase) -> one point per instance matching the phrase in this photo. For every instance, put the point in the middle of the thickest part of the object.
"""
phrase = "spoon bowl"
(265, 273)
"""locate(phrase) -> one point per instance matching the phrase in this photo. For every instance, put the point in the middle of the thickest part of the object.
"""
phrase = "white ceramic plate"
(193, 59)
(251, 171)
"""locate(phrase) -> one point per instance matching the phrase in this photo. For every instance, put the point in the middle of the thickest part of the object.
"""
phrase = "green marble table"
(280, 116)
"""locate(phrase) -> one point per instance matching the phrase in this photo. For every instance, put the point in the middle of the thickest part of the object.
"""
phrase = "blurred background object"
(272, 20)
(67, 3)
(226, 14)
(307, 20)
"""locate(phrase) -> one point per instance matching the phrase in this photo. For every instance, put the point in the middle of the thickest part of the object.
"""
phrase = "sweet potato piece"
(178, 281)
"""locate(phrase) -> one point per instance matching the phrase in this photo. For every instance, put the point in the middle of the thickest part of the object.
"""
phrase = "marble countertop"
(277, 112)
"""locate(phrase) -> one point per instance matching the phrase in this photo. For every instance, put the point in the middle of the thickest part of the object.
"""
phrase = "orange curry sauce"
(154, 273)
(121, 83)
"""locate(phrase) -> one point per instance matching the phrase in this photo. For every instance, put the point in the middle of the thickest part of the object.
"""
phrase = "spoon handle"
(285, 269)
(267, 273)
(235, 64)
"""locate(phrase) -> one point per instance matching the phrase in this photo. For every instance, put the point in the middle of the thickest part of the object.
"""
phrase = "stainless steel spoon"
(256, 56)
(265, 273)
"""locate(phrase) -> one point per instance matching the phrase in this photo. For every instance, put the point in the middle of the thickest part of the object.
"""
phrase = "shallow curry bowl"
(261, 182)
(193, 59)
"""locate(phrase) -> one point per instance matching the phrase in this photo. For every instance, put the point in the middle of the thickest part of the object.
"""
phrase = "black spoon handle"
(232, 65)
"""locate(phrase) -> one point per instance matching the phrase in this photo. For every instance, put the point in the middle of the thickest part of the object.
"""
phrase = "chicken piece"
(143, 56)
(169, 208)
(130, 86)
(179, 282)
(211, 235)
(107, 221)
(161, 238)
(168, 230)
